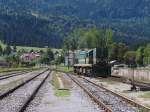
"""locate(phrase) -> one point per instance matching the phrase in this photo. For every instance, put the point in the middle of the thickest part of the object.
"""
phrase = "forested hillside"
(86, 9)
(32, 31)
(49, 21)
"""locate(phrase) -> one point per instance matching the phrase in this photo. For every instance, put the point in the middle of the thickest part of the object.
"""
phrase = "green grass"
(62, 93)
(55, 81)
(2, 58)
(146, 95)
(59, 92)
(30, 48)
(65, 69)
(2, 44)
(26, 48)
(18, 69)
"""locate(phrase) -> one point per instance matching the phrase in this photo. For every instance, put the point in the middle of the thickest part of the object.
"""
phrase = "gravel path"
(14, 101)
(46, 101)
(60, 83)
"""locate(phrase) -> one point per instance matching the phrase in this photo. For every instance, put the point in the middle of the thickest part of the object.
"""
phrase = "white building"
(69, 60)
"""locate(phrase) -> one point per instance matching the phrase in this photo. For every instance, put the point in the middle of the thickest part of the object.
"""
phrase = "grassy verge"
(55, 82)
(17, 69)
(10, 84)
(65, 69)
(62, 93)
(59, 92)
(27, 48)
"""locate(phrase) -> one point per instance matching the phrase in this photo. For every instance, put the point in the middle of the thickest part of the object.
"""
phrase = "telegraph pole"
(133, 65)
(68, 60)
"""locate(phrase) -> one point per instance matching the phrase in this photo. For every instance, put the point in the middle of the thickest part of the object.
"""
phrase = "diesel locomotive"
(93, 63)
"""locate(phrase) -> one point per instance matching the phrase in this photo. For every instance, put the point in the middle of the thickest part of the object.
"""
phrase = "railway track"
(3, 74)
(106, 99)
(23, 108)
(18, 99)
(100, 104)
(6, 76)
(20, 85)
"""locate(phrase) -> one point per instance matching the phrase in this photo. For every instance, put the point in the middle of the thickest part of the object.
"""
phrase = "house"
(28, 57)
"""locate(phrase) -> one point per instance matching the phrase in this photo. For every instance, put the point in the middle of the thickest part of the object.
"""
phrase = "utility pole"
(68, 60)
(133, 65)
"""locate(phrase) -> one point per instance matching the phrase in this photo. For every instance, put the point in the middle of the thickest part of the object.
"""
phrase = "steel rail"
(144, 108)
(20, 85)
(100, 103)
(26, 104)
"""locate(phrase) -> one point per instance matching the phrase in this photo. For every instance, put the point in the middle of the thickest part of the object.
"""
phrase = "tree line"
(12, 56)
(7, 50)
(120, 52)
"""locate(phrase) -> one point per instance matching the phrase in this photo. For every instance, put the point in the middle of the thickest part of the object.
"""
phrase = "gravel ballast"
(15, 101)
(8, 84)
(46, 101)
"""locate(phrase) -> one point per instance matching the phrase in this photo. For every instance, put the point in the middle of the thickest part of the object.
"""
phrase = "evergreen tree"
(48, 57)
(50, 54)
(140, 56)
(1, 50)
(96, 38)
(31, 50)
(13, 60)
(122, 49)
(41, 51)
(129, 57)
(66, 44)
(14, 48)
(8, 50)
(117, 52)
(113, 52)
(147, 54)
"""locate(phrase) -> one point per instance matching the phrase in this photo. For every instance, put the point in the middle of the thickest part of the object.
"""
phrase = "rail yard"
(74, 55)
(90, 86)
(49, 90)
(26, 93)
(110, 101)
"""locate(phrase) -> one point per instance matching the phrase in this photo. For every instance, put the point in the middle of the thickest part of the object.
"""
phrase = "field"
(64, 68)
(26, 48)
(30, 48)
(2, 70)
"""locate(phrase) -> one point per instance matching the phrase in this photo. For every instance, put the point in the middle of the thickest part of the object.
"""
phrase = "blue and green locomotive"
(92, 62)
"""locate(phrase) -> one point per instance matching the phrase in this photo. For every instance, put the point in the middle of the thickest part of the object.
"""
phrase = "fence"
(138, 74)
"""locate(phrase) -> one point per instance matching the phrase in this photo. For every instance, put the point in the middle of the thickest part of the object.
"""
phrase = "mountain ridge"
(128, 19)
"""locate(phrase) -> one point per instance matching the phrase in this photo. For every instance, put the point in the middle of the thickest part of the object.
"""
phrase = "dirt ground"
(124, 89)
